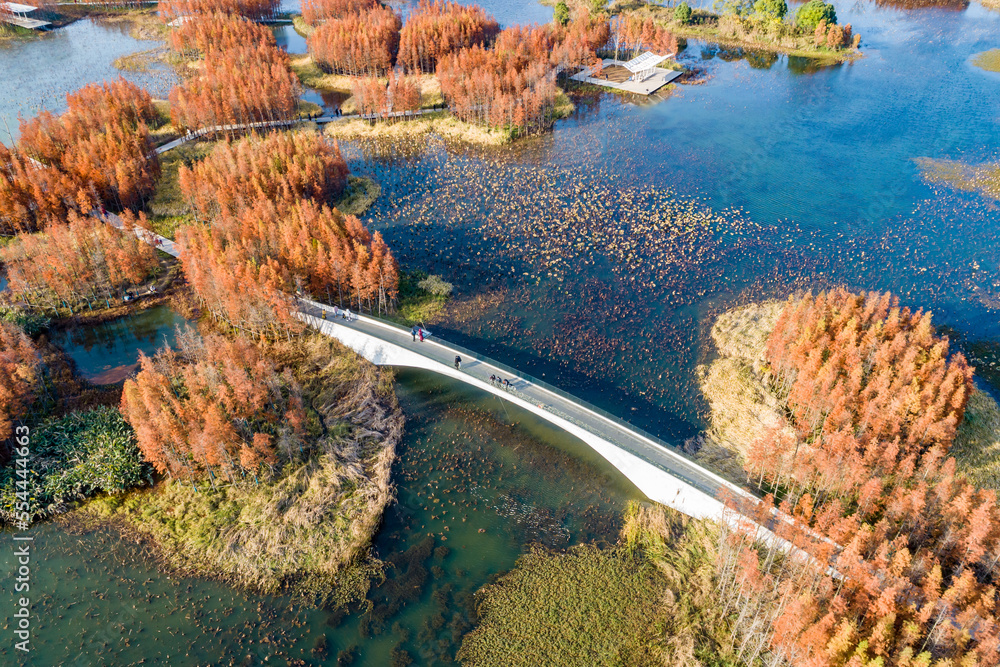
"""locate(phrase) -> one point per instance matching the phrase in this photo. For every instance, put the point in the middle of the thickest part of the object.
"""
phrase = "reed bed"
(650, 600)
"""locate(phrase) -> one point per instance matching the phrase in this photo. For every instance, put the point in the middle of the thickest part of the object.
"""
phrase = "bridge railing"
(466, 353)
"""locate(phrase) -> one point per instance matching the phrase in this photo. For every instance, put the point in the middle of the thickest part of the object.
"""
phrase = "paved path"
(647, 457)
(152, 238)
(266, 125)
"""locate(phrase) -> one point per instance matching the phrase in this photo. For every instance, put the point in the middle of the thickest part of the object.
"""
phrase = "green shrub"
(682, 13)
(561, 13)
(773, 9)
(814, 11)
(31, 323)
(436, 286)
(597, 7)
(74, 457)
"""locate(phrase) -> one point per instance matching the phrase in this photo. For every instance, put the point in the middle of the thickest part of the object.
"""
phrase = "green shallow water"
(109, 352)
(478, 481)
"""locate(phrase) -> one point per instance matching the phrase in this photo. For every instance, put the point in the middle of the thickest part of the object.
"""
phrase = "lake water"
(36, 75)
(600, 254)
(477, 483)
(109, 352)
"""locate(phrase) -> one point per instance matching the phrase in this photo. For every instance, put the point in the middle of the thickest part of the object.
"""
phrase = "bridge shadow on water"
(636, 410)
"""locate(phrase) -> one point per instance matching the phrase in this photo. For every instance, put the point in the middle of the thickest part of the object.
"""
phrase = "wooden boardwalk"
(30, 24)
(269, 125)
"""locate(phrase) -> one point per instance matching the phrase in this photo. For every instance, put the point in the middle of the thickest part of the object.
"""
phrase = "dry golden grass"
(977, 446)
(307, 530)
(312, 76)
(741, 405)
(743, 332)
(441, 124)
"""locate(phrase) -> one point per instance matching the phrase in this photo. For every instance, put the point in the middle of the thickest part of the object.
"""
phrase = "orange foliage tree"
(435, 29)
(222, 32)
(579, 41)
(510, 86)
(96, 153)
(83, 262)
(216, 406)
(315, 11)
(241, 81)
(362, 44)
(873, 403)
(380, 99)
(631, 34)
(870, 390)
(246, 265)
(252, 9)
(281, 167)
(20, 375)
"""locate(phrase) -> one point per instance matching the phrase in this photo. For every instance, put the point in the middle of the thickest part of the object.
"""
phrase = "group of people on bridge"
(501, 382)
(418, 331)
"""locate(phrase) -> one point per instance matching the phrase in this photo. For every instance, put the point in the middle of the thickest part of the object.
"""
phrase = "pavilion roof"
(647, 60)
(17, 8)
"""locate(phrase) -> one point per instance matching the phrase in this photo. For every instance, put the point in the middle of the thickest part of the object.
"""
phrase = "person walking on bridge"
(413, 332)
(421, 333)
(458, 362)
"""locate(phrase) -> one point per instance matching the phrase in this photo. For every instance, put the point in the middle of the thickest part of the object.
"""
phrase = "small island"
(765, 25)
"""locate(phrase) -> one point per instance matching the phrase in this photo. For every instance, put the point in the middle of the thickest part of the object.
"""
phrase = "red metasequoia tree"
(216, 406)
(870, 388)
(902, 552)
(632, 34)
(435, 29)
(363, 44)
(252, 9)
(248, 83)
(282, 167)
(509, 86)
(96, 153)
(20, 376)
(245, 267)
(315, 11)
(222, 32)
(379, 99)
(85, 261)
(579, 41)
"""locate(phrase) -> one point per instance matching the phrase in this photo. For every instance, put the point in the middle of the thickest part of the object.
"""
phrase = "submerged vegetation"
(981, 178)
(988, 60)
(586, 607)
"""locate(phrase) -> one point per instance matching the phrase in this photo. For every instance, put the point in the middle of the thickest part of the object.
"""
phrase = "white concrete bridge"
(654, 467)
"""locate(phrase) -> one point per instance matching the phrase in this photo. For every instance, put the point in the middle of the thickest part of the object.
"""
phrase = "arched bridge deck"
(654, 467)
